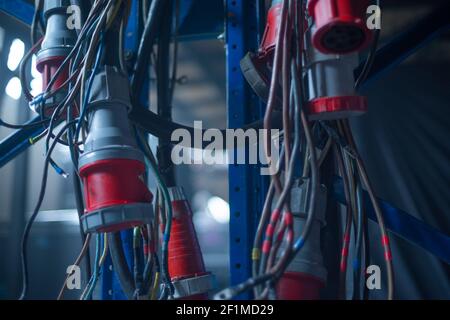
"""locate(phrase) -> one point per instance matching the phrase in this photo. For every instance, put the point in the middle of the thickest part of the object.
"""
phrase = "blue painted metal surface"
(403, 224)
(19, 9)
(246, 185)
(18, 142)
(199, 19)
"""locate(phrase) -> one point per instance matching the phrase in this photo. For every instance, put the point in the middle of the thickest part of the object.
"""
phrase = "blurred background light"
(14, 88)
(16, 52)
(219, 209)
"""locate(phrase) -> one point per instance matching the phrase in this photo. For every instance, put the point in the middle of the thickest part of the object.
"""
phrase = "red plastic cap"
(114, 182)
(48, 67)
(340, 25)
(185, 257)
(333, 108)
(299, 286)
(270, 33)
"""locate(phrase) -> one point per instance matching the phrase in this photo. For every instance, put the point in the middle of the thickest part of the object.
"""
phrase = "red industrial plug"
(299, 286)
(340, 25)
(59, 40)
(114, 183)
(340, 107)
(270, 33)
(186, 266)
(331, 84)
(112, 166)
(306, 274)
(48, 67)
(256, 66)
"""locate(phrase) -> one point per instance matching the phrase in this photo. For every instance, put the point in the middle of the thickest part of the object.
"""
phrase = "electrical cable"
(174, 79)
(164, 150)
(87, 293)
(276, 271)
(137, 264)
(80, 211)
(30, 222)
(86, 96)
(162, 128)
(22, 69)
(23, 126)
(371, 57)
(36, 22)
(168, 288)
(145, 46)
(120, 265)
(277, 62)
(384, 236)
(83, 253)
(357, 265)
(347, 228)
(297, 94)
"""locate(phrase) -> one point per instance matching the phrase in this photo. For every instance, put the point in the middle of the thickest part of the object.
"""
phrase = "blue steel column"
(246, 185)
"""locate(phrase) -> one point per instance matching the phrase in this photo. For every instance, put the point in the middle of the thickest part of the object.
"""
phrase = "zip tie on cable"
(60, 171)
(387, 249)
(256, 254)
(344, 252)
(166, 238)
(356, 263)
(299, 244)
(38, 100)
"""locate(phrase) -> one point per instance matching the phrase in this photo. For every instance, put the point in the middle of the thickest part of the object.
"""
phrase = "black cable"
(367, 259)
(120, 265)
(30, 222)
(23, 69)
(151, 264)
(36, 22)
(371, 57)
(80, 210)
(147, 40)
(23, 126)
(164, 150)
(111, 53)
(162, 128)
(137, 269)
(358, 245)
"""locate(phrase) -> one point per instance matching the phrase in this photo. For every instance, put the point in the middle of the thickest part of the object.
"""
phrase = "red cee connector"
(340, 25)
(56, 45)
(114, 182)
(48, 67)
(186, 266)
(331, 108)
(299, 286)
(269, 40)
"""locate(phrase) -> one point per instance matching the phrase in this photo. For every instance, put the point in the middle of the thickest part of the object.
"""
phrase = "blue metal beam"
(403, 224)
(19, 9)
(246, 185)
(199, 19)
